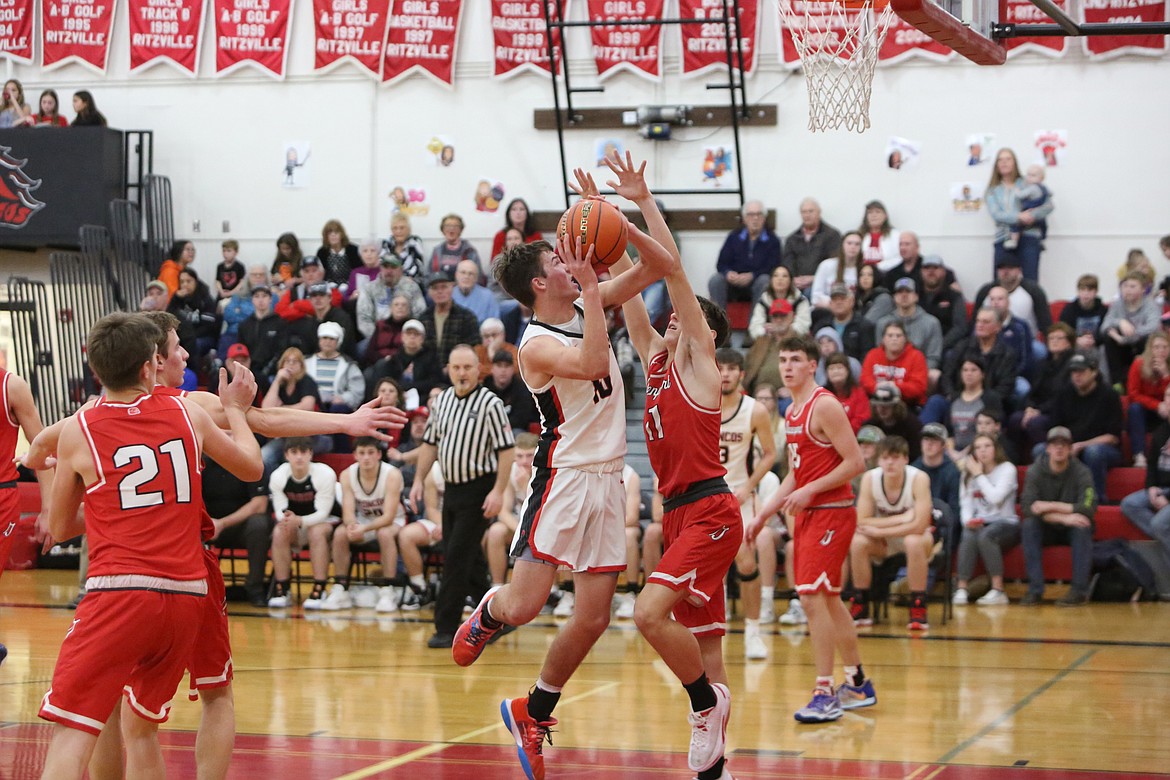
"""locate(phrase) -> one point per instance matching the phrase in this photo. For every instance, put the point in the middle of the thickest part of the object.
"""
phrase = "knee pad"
(755, 575)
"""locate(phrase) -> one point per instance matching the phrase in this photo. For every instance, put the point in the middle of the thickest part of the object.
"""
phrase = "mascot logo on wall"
(17, 204)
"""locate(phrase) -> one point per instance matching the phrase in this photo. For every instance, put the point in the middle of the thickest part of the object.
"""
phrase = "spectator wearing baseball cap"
(415, 366)
(323, 306)
(779, 287)
(156, 296)
(856, 333)
(374, 299)
(506, 383)
(898, 361)
(339, 380)
(238, 353)
(263, 333)
(1091, 411)
(891, 415)
(943, 473)
(1057, 476)
(868, 439)
(295, 303)
(447, 323)
(943, 300)
(760, 365)
(922, 330)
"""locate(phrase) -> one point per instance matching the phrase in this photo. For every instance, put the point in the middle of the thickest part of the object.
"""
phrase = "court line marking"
(1015, 708)
(934, 774)
(437, 747)
(916, 772)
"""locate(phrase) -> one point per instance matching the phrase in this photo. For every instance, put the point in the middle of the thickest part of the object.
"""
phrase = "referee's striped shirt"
(468, 433)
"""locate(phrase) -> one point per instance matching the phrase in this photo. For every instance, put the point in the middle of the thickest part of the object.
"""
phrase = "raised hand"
(631, 181)
(585, 186)
(241, 391)
(372, 419)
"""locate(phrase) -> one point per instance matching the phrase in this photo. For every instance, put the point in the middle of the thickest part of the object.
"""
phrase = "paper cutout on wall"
(717, 163)
(410, 201)
(296, 164)
(441, 149)
(966, 197)
(980, 148)
(902, 153)
(1050, 147)
(488, 196)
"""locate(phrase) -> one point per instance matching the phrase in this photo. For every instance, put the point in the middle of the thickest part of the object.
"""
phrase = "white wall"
(220, 141)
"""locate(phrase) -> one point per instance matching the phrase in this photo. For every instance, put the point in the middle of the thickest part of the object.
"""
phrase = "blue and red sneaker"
(473, 636)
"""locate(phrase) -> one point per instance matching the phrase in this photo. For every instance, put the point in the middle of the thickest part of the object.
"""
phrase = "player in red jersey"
(211, 664)
(19, 413)
(702, 527)
(823, 457)
(135, 459)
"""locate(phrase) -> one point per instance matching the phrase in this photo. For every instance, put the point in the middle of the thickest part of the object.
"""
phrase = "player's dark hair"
(729, 356)
(389, 380)
(1164, 242)
(518, 266)
(165, 322)
(840, 359)
(298, 443)
(893, 324)
(893, 445)
(365, 441)
(117, 346)
(801, 343)
(716, 321)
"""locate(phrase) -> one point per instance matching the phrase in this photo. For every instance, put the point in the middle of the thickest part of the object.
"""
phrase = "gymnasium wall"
(221, 141)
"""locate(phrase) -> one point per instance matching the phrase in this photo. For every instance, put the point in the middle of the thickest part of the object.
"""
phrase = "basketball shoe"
(852, 697)
(823, 708)
(709, 731)
(529, 735)
(795, 615)
(336, 599)
(859, 611)
(3, 653)
(473, 636)
(725, 776)
(918, 621)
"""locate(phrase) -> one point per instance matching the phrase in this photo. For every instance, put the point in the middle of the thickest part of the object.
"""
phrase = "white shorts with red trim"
(574, 518)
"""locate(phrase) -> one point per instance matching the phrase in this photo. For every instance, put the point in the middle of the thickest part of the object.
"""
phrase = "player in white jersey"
(894, 512)
(371, 518)
(747, 450)
(575, 513)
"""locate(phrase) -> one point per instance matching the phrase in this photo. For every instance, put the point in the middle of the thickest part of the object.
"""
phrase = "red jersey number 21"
(147, 470)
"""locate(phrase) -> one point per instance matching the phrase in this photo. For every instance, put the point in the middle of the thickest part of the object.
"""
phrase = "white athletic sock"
(767, 595)
(419, 582)
(751, 626)
(540, 683)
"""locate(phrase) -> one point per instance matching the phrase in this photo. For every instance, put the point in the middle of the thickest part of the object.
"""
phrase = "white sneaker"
(795, 615)
(364, 596)
(709, 731)
(960, 597)
(625, 610)
(280, 602)
(754, 648)
(1139, 461)
(387, 600)
(767, 613)
(337, 598)
(993, 598)
(564, 607)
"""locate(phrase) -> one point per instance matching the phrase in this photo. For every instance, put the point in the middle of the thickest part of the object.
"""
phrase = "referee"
(468, 431)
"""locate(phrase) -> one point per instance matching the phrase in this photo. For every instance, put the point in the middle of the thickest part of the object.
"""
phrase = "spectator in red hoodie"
(295, 303)
(897, 361)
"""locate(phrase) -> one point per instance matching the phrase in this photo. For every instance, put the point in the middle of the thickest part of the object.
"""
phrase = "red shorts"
(9, 515)
(821, 543)
(700, 540)
(211, 657)
(131, 641)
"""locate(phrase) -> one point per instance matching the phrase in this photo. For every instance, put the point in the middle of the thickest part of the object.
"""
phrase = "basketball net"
(838, 42)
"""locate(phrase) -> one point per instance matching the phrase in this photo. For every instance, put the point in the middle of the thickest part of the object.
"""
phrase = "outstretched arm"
(239, 453)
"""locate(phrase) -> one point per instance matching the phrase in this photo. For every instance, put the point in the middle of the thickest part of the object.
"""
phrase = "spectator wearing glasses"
(747, 257)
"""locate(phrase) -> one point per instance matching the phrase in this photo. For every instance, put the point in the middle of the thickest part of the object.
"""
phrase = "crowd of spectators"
(16, 112)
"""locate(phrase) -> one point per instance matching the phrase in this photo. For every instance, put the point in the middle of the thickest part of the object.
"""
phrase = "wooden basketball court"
(1001, 692)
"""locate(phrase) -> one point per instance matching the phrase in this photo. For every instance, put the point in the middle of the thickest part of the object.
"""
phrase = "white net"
(838, 45)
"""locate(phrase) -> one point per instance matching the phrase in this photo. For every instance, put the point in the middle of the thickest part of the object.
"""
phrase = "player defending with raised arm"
(701, 523)
(823, 457)
(135, 458)
(575, 514)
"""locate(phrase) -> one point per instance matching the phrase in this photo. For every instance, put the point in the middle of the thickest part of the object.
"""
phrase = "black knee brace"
(755, 575)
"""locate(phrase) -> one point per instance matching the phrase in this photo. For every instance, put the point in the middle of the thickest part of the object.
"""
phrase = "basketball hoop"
(838, 42)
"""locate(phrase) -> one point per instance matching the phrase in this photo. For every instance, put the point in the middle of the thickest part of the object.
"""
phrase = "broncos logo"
(17, 204)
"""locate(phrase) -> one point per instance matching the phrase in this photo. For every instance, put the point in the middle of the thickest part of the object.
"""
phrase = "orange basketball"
(599, 223)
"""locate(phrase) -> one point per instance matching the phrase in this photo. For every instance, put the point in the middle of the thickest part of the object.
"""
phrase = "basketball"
(599, 223)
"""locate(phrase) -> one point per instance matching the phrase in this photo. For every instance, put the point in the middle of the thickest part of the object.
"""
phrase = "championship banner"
(816, 14)
(519, 31)
(165, 31)
(1104, 47)
(423, 35)
(905, 41)
(350, 30)
(76, 31)
(251, 33)
(16, 30)
(704, 46)
(1023, 13)
(636, 48)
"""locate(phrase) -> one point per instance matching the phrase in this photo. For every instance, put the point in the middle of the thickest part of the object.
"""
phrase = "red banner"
(1103, 47)
(16, 30)
(422, 36)
(636, 48)
(350, 30)
(704, 46)
(519, 31)
(905, 41)
(76, 30)
(165, 31)
(1023, 13)
(251, 33)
